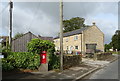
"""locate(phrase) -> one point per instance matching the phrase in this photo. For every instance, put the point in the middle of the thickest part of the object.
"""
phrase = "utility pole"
(61, 35)
(10, 30)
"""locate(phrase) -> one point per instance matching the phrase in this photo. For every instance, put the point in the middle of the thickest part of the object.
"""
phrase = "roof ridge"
(76, 29)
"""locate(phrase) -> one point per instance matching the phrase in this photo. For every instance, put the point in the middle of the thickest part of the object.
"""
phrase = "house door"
(71, 49)
(90, 48)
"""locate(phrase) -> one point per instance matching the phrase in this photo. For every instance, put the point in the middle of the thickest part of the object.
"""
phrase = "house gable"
(93, 35)
(20, 44)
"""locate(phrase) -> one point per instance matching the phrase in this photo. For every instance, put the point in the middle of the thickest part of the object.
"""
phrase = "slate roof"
(40, 37)
(46, 38)
(78, 31)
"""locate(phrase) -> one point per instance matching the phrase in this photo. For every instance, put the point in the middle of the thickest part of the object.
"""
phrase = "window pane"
(76, 47)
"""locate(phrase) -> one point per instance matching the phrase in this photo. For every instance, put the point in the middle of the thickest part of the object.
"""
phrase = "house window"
(66, 39)
(76, 47)
(75, 37)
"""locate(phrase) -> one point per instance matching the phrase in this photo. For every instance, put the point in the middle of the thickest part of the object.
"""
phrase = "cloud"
(104, 14)
(43, 17)
(32, 19)
(107, 24)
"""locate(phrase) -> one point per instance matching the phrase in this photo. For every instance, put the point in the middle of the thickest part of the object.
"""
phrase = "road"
(109, 72)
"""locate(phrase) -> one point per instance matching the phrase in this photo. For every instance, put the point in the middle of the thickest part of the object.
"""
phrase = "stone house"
(84, 40)
(20, 44)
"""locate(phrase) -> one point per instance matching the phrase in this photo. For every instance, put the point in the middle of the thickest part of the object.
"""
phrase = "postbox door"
(43, 58)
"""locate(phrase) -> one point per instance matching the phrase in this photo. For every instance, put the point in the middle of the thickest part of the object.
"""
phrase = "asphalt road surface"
(109, 72)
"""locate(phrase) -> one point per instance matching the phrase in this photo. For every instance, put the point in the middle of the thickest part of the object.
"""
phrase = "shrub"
(24, 60)
(54, 62)
(6, 65)
(37, 45)
(5, 52)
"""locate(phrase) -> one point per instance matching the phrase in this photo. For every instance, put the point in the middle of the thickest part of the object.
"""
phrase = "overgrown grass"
(114, 52)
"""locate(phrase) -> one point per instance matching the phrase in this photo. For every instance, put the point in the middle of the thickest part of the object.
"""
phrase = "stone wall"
(71, 60)
(103, 56)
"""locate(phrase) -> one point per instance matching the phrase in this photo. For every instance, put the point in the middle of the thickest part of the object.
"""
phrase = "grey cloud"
(43, 17)
(31, 18)
(49, 8)
(84, 9)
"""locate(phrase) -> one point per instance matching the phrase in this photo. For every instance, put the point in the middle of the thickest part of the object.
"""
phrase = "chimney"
(93, 23)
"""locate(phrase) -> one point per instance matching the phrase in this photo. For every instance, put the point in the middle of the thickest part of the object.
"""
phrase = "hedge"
(25, 60)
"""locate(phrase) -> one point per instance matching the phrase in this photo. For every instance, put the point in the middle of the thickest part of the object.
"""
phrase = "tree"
(73, 24)
(18, 35)
(107, 47)
(115, 43)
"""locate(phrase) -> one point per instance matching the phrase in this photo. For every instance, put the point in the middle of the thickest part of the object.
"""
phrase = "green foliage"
(107, 47)
(114, 52)
(18, 35)
(5, 51)
(54, 61)
(0, 48)
(5, 48)
(6, 65)
(115, 43)
(24, 60)
(73, 24)
(37, 45)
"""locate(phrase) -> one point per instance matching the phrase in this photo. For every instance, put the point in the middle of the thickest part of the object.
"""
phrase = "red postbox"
(43, 57)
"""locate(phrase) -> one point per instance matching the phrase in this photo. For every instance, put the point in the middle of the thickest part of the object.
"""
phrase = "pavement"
(72, 74)
(109, 72)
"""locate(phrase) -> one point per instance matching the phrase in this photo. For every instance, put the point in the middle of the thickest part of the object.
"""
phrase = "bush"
(5, 52)
(54, 61)
(6, 65)
(37, 45)
(25, 60)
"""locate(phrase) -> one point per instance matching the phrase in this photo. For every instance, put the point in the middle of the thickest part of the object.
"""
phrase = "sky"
(42, 18)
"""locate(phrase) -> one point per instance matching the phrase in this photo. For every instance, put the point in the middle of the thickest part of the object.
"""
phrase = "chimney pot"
(93, 23)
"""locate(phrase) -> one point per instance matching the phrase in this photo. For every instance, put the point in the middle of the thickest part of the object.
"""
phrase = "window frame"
(66, 39)
(76, 37)
(77, 47)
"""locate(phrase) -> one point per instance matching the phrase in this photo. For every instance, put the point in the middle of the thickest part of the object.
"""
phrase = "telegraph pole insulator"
(11, 4)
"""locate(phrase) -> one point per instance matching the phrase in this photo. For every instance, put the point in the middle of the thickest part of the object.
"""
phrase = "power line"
(4, 9)
(36, 12)
(30, 23)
